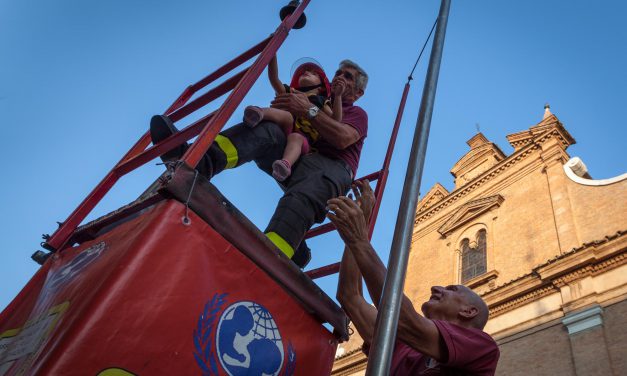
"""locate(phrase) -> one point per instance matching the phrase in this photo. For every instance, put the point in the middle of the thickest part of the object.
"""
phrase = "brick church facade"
(542, 242)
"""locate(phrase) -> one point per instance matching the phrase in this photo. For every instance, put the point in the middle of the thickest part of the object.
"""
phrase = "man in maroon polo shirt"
(447, 340)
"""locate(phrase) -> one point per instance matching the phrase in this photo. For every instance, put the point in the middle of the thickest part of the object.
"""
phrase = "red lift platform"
(178, 282)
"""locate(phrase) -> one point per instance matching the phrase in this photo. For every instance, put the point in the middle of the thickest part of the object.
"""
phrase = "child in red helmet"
(309, 78)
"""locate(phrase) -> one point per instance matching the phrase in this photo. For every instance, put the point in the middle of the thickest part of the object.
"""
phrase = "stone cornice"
(482, 279)
(589, 254)
(349, 363)
(534, 138)
(520, 139)
(475, 183)
(522, 300)
(551, 127)
(470, 158)
(590, 259)
(469, 211)
(546, 130)
(438, 218)
(435, 194)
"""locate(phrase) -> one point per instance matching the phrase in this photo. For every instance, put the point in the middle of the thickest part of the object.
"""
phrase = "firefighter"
(326, 172)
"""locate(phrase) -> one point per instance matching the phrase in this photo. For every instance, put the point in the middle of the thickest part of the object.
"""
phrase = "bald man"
(449, 338)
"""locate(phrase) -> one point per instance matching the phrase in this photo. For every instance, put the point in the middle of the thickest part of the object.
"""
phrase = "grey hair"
(360, 82)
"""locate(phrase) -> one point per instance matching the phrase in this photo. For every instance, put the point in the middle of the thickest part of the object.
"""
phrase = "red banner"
(156, 296)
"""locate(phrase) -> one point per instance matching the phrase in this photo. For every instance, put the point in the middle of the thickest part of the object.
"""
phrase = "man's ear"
(468, 312)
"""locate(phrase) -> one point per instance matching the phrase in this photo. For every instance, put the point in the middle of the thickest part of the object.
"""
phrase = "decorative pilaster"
(553, 139)
(584, 320)
(587, 342)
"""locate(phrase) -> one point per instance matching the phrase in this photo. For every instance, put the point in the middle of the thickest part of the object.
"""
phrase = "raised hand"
(349, 220)
(364, 197)
(338, 86)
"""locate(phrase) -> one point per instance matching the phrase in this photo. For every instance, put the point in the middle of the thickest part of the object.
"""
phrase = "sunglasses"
(348, 75)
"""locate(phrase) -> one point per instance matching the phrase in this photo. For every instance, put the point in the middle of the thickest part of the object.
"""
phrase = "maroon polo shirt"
(471, 352)
(357, 118)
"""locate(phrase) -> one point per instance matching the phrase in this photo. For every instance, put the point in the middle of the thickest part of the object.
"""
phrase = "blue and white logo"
(247, 341)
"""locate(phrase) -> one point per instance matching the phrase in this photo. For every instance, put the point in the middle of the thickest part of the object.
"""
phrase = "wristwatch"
(312, 112)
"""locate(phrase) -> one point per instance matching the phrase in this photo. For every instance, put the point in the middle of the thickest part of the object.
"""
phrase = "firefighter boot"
(302, 256)
(161, 127)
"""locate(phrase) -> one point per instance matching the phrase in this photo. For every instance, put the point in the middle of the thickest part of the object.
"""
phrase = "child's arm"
(337, 107)
(327, 109)
(273, 75)
(337, 90)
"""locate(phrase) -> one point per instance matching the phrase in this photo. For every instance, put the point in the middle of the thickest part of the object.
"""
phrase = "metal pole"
(382, 346)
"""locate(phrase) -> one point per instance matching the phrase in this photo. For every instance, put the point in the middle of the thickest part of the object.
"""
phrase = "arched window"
(473, 257)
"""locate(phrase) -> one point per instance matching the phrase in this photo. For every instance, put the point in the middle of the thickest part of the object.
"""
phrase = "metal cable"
(422, 50)
(186, 221)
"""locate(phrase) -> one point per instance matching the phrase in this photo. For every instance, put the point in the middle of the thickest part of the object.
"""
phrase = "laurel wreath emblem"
(290, 367)
(203, 336)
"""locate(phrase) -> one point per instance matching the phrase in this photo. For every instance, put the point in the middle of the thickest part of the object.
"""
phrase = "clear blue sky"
(79, 81)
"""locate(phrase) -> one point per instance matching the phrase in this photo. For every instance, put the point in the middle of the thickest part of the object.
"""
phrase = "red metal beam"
(324, 271)
(139, 146)
(213, 127)
(371, 177)
(168, 144)
(63, 233)
(208, 97)
(181, 100)
(136, 156)
(236, 62)
(319, 230)
(131, 160)
(388, 158)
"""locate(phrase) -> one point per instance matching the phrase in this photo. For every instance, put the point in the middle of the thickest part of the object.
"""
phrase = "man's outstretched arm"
(351, 224)
(349, 289)
(413, 329)
(349, 294)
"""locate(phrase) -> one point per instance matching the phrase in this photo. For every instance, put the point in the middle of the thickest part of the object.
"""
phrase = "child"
(310, 79)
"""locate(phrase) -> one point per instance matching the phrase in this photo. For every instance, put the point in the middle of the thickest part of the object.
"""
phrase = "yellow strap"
(229, 149)
(10, 333)
(115, 372)
(281, 244)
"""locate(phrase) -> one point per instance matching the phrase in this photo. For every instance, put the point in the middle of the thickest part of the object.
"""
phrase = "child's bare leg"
(282, 168)
(282, 118)
(293, 147)
(253, 115)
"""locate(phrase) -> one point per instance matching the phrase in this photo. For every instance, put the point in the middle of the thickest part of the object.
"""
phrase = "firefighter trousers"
(315, 178)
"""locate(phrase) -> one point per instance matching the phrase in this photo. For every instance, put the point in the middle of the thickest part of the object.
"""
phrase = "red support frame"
(206, 128)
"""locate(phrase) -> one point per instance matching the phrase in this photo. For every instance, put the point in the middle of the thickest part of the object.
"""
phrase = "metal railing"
(206, 128)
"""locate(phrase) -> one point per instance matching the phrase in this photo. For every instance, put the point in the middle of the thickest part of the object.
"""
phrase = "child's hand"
(338, 87)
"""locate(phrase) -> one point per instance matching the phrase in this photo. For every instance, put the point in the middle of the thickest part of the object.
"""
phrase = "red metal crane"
(163, 275)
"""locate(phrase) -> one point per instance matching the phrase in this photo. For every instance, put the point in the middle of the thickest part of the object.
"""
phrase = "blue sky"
(80, 80)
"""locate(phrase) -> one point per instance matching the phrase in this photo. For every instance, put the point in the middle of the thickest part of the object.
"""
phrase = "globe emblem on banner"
(248, 341)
